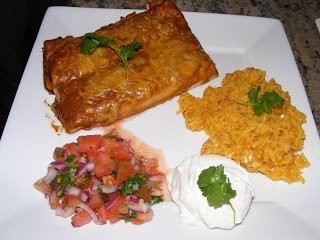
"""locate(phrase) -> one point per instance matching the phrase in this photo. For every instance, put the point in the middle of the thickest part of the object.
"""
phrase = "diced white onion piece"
(83, 160)
(109, 189)
(96, 181)
(60, 211)
(69, 190)
(68, 212)
(89, 167)
(51, 175)
(110, 203)
(59, 166)
(139, 207)
(85, 195)
(52, 197)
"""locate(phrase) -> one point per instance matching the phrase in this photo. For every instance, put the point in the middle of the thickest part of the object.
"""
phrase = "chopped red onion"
(85, 195)
(52, 197)
(125, 216)
(93, 215)
(96, 181)
(69, 190)
(132, 198)
(51, 175)
(139, 207)
(129, 146)
(83, 160)
(89, 167)
(59, 166)
(80, 170)
(56, 187)
(111, 202)
(134, 162)
(109, 189)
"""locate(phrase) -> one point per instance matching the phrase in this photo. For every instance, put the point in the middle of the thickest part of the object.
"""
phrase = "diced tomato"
(137, 221)
(42, 187)
(109, 156)
(102, 214)
(80, 218)
(89, 143)
(103, 165)
(54, 200)
(124, 171)
(73, 201)
(111, 213)
(103, 157)
(95, 200)
(145, 217)
(72, 148)
(151, 166)
(118, 149)
(101, 170)
(114, 219)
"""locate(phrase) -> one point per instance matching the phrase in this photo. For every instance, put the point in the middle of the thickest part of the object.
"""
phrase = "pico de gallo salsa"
(102, 179)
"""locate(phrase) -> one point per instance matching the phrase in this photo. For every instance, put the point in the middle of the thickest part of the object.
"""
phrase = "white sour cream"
(194, 208)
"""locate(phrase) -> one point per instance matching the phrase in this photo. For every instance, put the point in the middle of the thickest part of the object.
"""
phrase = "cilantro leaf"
(253, 94)
(136, 180)
(216, 187)
(273, 98)
(265, 103)
(155, 200)
(91, 41)
(65, 178)
(127, 52)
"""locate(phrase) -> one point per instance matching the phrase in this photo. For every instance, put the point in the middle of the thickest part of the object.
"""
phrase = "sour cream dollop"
(194, 208)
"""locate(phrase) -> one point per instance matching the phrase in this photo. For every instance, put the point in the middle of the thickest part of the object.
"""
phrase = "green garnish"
(266, 101)
(132, 214)
(64, 178)
(91, 41)
(155, 200)
(69, 159)
(104, 197)
(136, 180)
(215, 186)
(125, 52)
(127, 217)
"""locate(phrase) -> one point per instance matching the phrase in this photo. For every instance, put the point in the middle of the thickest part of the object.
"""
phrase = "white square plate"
(318, 24)
(279, 210)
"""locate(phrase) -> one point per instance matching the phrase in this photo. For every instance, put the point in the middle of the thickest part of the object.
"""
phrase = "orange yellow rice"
(270, 144)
